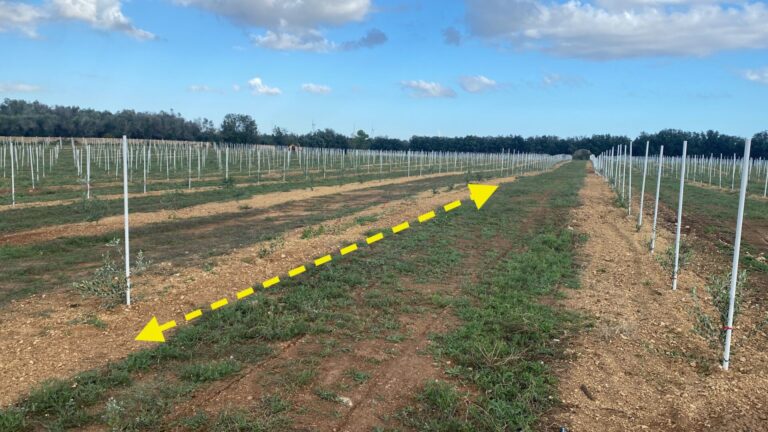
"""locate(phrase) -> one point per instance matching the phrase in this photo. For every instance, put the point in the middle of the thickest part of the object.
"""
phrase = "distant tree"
(581, 154)
(239, 128)
(280, 137)
(360, 140)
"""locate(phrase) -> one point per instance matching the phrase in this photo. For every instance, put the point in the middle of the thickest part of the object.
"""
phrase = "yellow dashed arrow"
(153, 330)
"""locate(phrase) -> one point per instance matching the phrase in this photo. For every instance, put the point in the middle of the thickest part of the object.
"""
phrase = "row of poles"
(21, 152)
(163, 157)
(616, 165)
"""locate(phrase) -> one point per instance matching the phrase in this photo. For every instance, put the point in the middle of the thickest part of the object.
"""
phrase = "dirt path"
(642, 367)
(266, 180)
(113, 223)
(39, 338)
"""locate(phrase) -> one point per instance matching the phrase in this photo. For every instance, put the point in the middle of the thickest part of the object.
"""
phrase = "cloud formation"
(608, 29)
(103, 15)
(757, 75)
(477, 84)
(311, 40)
(315, 88)
(558, 80)
(293, 25)
(427, 89)
(202, 88)
(258, 87)
(371, 39)
(18, 88)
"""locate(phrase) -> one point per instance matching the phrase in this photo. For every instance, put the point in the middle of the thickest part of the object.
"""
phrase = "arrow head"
(480, 193)
(152, 332)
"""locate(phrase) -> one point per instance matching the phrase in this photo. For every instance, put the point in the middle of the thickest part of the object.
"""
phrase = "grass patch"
(210, 371)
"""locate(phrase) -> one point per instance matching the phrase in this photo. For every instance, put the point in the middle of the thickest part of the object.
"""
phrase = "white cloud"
(310, 40)
(757, 75)
(20, 17)
(315, 88)
(558, 80)
(236, 87)
(104, 15)
(100, 14)
(477, 84)
(288, 15)
(18, 88)
(621, 28)
(202, 88)
(426, 89)
(295, 25)
(258, 87)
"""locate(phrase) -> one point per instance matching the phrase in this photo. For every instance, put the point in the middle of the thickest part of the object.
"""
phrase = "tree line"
(22, 118)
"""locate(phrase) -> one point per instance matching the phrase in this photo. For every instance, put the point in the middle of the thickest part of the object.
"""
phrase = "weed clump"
(667, 260)
(108, 282)
(93, 209)
(718, 289)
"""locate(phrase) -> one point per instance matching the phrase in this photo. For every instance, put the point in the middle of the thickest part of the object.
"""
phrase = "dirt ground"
(113, 223)
(40, 338)
(642, 367)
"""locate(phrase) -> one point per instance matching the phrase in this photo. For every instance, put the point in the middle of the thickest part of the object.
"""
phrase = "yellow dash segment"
(402, 227)
(374, 238)
(450, 206)
(245, 293)
(167, 326)
(217, 304)
(192, 315)
(269, 282)
(297, 271)
(426, 216)
(348, 249)
(322, 260)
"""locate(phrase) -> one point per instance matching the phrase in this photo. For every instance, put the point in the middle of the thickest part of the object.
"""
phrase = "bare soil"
(642, 366)
(137, 220)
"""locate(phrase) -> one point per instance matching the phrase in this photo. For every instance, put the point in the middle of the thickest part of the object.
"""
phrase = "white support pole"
(642, 188)
(88, 170)
(125, 217)
(13, 178)
(656, 206)
(765, 188)
(629, 200)
(736, 248)
(679, 217)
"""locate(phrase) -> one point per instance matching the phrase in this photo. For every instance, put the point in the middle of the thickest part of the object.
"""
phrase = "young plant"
(108, 281)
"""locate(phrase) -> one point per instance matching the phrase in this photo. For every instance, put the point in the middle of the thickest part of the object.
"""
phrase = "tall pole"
(629, 201)
(13, 178)
(679, 217)
(125, 217)
(656, 206)
(642, 188)
(736, 248)
(88, 170)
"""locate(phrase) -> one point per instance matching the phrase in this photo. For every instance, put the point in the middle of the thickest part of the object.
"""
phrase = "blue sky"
(398, 68)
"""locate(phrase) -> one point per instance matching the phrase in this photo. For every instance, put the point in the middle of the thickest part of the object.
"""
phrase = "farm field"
(349, 329)
(507, 317)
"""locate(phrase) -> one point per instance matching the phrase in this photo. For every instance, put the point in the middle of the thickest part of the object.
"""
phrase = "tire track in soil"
(642, 367)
